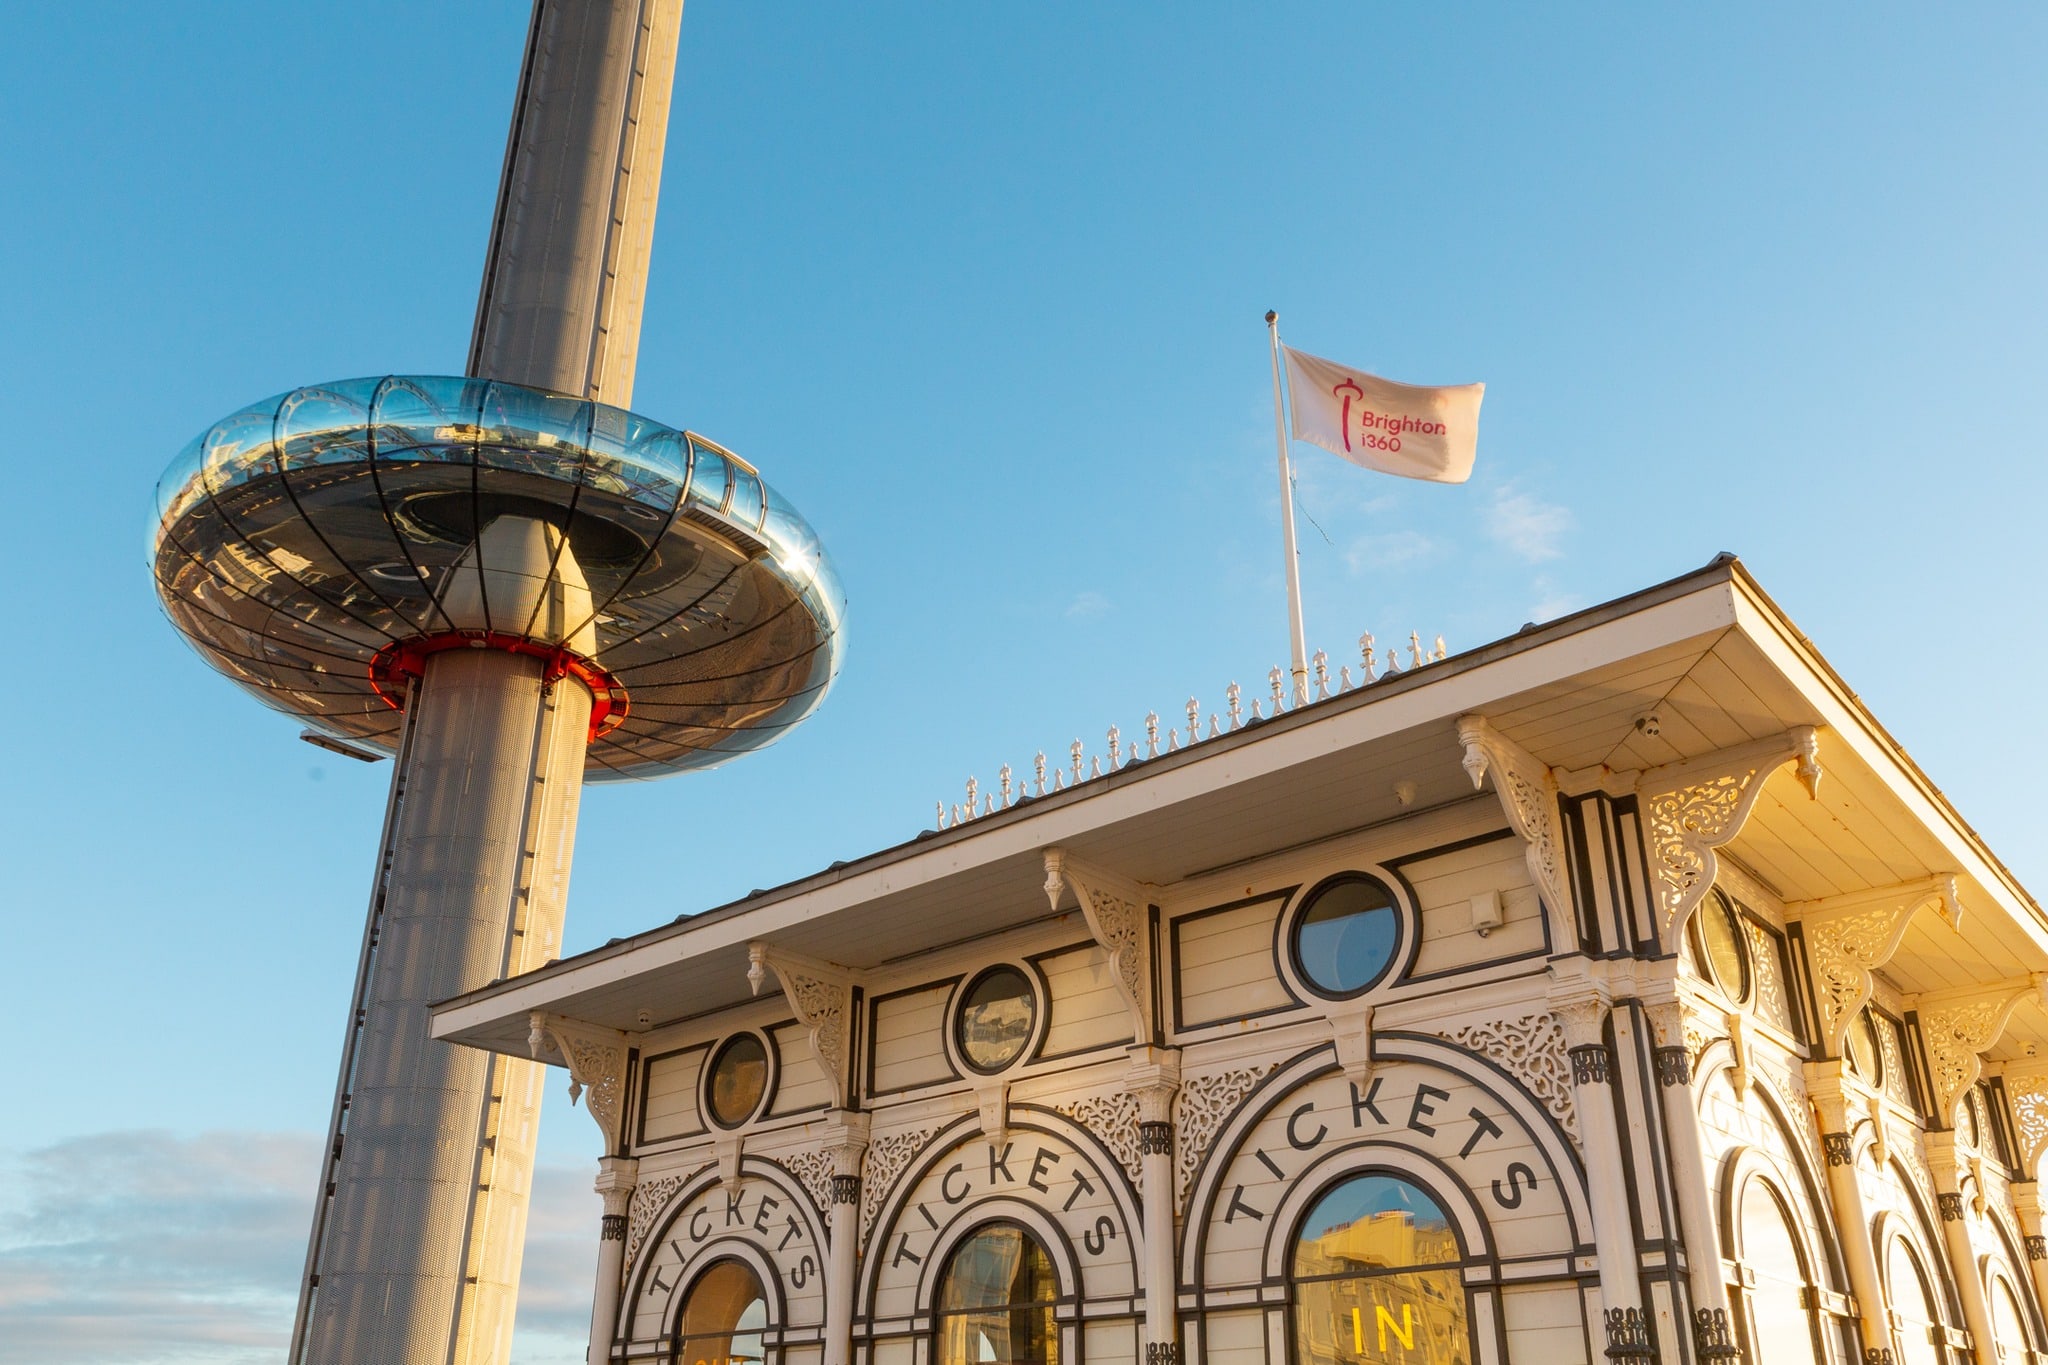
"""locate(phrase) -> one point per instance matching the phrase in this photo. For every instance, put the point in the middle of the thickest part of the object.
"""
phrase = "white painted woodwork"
(669, 1103)
(1087, 1012)
(1225, 966)
(1444, 888)
(909, 1039)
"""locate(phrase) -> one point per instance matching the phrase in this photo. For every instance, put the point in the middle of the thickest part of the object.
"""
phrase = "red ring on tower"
(404, 661)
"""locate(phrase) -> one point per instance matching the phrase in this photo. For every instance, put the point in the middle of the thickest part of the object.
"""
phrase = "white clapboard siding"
(670, 1109)
(895, 1351)
(1224, 964)
(803, 1083)
(1087, 1010)
(1110, 1343)
(1444, 888)
(910, 1039)
(1544, 1323)
(1234, 1338)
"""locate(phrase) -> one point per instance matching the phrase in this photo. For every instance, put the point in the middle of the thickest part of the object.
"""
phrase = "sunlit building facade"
(1616, 991)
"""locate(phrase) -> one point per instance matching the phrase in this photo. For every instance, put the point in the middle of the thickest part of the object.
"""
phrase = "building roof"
(1709, 654)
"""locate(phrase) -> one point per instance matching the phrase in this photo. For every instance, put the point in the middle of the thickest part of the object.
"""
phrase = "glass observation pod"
(306, 543)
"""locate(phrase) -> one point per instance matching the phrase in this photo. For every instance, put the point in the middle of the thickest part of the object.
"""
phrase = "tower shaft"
(420, 1225)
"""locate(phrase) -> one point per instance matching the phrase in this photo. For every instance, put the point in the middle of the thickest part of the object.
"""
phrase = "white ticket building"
(1617, 991)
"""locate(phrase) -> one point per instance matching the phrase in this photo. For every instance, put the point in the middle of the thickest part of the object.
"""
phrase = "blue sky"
(980, 289)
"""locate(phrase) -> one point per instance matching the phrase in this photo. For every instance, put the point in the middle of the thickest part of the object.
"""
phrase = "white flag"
(1405, 429)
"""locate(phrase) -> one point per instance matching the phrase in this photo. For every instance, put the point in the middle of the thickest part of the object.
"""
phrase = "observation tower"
(511, 584)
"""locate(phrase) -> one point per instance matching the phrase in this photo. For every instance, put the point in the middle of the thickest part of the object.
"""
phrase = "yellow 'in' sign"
(1383, 1321)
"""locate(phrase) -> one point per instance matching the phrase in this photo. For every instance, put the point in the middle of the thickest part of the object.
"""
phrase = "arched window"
(723, 1317)
(995, 1301)
(1377, 1278)
(1912, 1296)
(2008, 1325)
(1781, 1327)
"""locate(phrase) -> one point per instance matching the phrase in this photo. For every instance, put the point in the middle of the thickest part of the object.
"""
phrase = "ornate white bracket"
(1579, 1002)
(1956, 1027)
(1528, 794)
(1353, 1027)
(2026, 1090)
(992, 1101)
(596, 1058)
(1114, 907)
(821, 995)
(1692, 808)
(1849, 937)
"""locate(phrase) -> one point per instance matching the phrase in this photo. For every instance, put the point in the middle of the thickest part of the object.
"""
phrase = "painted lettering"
(803, 1272)
(1081, 1187)
(1039, 1161)
(1363, 1104)
(999, 1163)
(904, 1253)
(1237, 1206)
(946, 1184)
(1269, 1163)
(769, 1204)
(1295, 1139)
(1423, 1107)
(656, 1285)
(732, 1211)
(1484, 1127)
(1405, 1332)
(1518, 1176)
(1099, 1236)
(929, 1221)
(698, 1234)
(795, 1231)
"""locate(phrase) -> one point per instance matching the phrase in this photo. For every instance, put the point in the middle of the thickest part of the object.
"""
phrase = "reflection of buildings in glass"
(1416, 1316)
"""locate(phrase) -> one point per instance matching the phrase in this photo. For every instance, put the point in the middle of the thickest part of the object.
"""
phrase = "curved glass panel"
(996, 1017)
(1344, 941)
(1721, 931)
(1912, 1302)
(995, 1301)
(739, 1080)
(1377, 1278)
(723, 1317)
(1866, 1057)
(299, 536)
(1776, 1304)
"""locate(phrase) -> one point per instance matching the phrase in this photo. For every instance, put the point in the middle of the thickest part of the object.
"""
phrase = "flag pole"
(1287, 522)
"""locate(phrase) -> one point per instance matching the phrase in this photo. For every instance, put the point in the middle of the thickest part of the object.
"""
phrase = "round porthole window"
(739, 1080)
(997, 1012)
(1345, 935)
(1721, 932)
(1866, 1057)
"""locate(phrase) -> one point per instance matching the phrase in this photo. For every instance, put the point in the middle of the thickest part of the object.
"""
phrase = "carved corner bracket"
(1115, 908)
(596, 1058)
(1956, 1027)
(1692, 808)
(821, 996)
(2026, 1092)
(1528, 795)
(1849, 937)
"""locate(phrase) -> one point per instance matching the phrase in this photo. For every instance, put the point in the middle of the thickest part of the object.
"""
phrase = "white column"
(616, 1178)
(1581, 1007)
(2026, 1202)
(1824, 1084)
(847, 1140)
(1154, 1079)
(1955, 1231)
(1711, 1329)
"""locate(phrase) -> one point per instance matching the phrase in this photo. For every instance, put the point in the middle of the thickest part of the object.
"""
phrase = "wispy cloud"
(146, 1248)
(1528, 526)
(1387, 551)
(1553, 601)
(1088, 604)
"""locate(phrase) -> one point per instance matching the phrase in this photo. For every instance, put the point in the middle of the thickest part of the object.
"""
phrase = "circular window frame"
(768, 1083)
(1743, 996)
(1034, 1039)
(1287, 947)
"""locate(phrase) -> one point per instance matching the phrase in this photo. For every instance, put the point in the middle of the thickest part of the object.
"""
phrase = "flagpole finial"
(1271, 317)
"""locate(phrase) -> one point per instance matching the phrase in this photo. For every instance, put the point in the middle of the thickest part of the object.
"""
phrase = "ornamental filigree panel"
(1532, 1050)
(2028, 1096)
(1767, 959)
(1684, 826)
(813, 1171)
(887, 1156)
(1112, 1117)
(650, 1197)
(1200, 1109)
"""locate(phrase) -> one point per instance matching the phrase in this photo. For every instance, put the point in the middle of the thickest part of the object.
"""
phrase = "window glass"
(2008, 1324)
(1780, 1327)
(1721, 929)
(995, 1302)
(1344, 940)
(1377, 1279)
(1912, 1306)
(1866, 1057)
(723, 1317)
(739, 1079)
(996, 1016)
